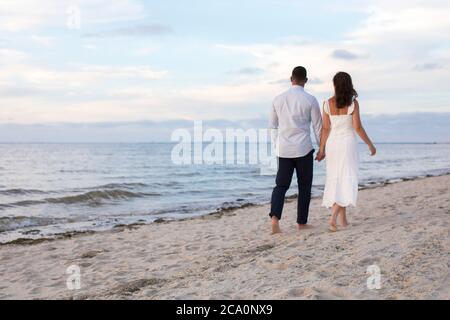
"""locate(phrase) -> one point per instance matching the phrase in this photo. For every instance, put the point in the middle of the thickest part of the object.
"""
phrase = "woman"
(338, 144)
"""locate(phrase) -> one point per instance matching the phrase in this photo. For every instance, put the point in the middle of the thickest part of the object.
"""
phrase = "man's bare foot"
(304, 226)
(275, 225)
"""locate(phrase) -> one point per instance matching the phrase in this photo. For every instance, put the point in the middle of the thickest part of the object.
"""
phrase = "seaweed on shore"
(58, 236)
(27, 242)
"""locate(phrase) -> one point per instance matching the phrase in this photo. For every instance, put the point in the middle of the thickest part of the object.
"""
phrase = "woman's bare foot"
(343, 219)
(332, 221)
(333, 227)
(345, 224)
(275, 225)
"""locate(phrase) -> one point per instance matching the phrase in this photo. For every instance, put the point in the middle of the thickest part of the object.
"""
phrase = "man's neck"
(298, 85)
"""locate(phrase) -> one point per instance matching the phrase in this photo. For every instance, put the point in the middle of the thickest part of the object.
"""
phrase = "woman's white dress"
(341, 186)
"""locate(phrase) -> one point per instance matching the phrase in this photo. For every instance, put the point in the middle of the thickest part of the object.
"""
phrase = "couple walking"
(335, 131)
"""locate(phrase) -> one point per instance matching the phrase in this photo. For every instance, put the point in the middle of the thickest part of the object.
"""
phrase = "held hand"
(320, 156)
(373, 150)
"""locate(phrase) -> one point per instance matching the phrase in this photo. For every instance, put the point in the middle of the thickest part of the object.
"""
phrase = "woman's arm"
(360, 130)
(326, 128)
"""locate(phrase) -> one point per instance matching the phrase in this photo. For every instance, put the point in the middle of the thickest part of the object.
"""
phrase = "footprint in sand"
(294, 245)
(316, 294)
(210, 237)
(85, 264)
(296, 293)
(191, 248)
(322, 274)
(59, 283)
(90, 254)
(149, 293)
(365, 262)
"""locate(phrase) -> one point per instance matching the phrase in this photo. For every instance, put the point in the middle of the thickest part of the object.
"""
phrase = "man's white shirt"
(290, 120)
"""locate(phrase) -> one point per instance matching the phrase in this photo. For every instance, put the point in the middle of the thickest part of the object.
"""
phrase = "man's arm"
(273, 126)
(316, 118)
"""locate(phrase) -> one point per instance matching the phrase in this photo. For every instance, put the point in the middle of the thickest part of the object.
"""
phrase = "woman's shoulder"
(326, 105)
(329, 101)
(354, 107)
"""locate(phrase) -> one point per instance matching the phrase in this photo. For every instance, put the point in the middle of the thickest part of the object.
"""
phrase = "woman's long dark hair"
(344, 91)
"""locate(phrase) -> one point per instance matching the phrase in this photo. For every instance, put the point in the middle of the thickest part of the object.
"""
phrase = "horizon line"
(176, 142)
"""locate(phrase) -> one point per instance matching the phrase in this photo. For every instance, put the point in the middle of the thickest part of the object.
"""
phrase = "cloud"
(146, 50)
(140, 72)
(240, 49)
(284, 82)
(278, 59)
(379, 53)
(287, 81)
(16, 70)
(404, 21)
(23, 15)
(30, 92)
(247, 71)
(389, 42)
(89, 46)
(229, 94)
(314, 81)
(134, 31)
(8, 55)
(428, 66)
(43, 40)
(20, 91)
(344, 55)
(409, 127)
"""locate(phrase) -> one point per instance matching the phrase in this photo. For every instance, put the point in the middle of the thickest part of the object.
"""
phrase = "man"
(290, 121)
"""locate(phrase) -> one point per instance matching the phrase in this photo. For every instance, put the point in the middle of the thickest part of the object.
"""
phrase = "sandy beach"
(403, 228)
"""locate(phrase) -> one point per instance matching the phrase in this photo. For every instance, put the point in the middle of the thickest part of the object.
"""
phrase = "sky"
(85, 63)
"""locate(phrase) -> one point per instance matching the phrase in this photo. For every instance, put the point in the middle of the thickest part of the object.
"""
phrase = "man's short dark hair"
(299, 74)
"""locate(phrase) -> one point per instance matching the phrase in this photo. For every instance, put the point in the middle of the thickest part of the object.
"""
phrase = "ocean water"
(48, 189)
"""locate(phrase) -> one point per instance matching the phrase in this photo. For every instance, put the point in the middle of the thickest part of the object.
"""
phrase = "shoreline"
(232, 255)
(218, 212)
